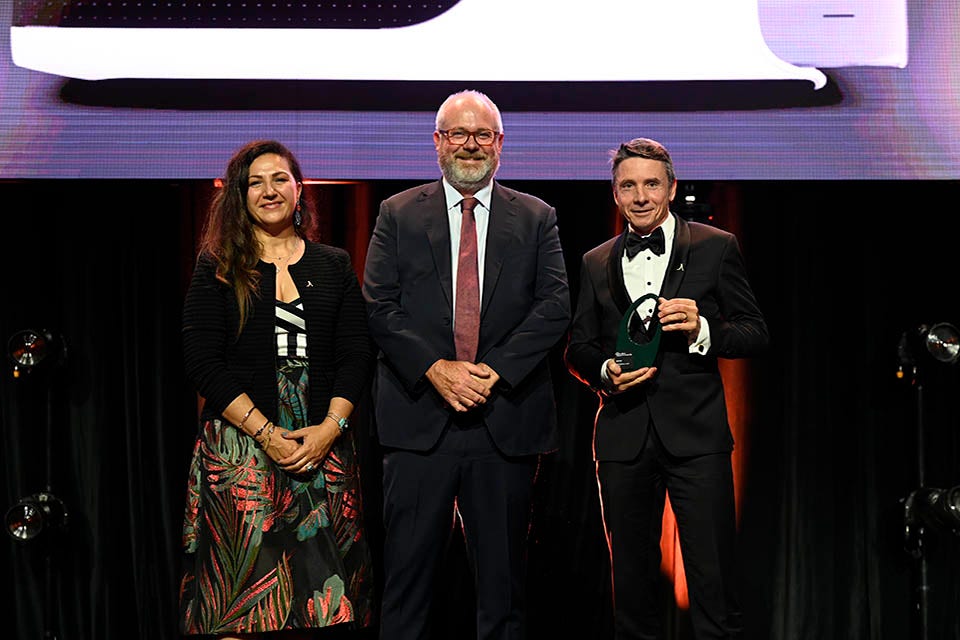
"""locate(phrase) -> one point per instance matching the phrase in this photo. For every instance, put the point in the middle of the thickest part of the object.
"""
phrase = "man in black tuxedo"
(464, 401)
(663, 428)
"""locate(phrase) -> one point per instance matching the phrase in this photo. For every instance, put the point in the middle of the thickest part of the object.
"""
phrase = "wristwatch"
(342, 422)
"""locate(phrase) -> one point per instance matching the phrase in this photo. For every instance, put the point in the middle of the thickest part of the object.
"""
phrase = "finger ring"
(309, 467)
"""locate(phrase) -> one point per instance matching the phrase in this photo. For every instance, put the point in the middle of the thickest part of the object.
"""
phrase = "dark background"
(104, 185)
(829, 449)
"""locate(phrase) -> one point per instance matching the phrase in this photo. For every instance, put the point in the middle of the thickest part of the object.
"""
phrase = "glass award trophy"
(631, 355)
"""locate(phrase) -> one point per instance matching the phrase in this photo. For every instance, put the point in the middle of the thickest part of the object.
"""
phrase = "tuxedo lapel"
(500, 236)
(618, 290)
(437, 227)
(676, 270)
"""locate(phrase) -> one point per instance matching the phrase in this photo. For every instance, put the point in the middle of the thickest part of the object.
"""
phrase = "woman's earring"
(297, 216)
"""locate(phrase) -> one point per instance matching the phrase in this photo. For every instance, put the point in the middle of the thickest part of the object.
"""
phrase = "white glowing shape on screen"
(520, 40)
(836, 33)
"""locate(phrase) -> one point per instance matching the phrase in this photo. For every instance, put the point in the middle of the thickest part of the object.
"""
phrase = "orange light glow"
(735, 382)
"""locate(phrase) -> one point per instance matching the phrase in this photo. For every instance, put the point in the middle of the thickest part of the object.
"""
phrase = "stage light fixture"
(32, 349)
(942, 341)
(34, 517)
(36, 351)
(926, 508)
(935, 508)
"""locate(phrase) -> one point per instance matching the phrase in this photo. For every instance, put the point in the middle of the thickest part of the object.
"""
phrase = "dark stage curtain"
(102, 264)
(826, 455)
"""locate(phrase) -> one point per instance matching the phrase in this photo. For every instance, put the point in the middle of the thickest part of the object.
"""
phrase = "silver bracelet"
(245, 416)
(342, 422)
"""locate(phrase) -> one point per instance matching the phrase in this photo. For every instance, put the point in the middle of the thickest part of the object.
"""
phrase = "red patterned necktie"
(466, 332)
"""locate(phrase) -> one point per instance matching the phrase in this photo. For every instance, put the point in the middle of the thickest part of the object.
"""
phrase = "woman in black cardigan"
(275, 340)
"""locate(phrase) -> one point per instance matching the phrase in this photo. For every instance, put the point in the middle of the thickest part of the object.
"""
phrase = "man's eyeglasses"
(484, 137)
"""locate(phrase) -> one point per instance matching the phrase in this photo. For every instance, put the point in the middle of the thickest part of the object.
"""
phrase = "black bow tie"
(636, 243)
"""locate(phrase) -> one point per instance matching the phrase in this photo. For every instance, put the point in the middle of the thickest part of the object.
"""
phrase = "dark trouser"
(422, 493)
(702, 499)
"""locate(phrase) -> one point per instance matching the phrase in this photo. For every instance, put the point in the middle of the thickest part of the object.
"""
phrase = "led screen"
(739, 89)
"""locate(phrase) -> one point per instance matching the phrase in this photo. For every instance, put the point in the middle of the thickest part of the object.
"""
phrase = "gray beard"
(471, 180)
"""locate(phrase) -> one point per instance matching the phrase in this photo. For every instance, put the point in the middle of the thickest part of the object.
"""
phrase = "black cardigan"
(223, 365)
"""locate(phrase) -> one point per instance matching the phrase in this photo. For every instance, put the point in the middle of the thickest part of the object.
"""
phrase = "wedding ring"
(309, 467)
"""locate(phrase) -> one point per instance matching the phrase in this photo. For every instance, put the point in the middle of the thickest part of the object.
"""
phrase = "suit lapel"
(500, 236)
(676, 270)
(437, 227)
(618, 290)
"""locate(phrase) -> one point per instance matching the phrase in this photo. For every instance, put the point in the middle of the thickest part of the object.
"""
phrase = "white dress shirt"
(644, 274)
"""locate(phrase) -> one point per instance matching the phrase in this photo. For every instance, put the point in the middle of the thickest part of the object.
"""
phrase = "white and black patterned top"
(291, 329)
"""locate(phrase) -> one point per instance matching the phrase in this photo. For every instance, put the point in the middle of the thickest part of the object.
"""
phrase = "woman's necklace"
(282, 258)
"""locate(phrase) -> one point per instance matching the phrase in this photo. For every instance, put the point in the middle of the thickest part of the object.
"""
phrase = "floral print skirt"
(267, 551)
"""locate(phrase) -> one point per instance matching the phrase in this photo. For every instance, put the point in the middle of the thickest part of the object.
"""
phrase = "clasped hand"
(297, 449)
(463, 385)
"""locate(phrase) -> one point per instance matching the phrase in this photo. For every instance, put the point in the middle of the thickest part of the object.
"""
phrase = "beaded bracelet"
(245, 416)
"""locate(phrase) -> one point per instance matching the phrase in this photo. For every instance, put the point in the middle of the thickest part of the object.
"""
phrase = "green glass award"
(630, 354)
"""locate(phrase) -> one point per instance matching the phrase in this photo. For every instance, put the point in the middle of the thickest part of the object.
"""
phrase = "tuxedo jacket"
(685, 400)
(524, 312)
